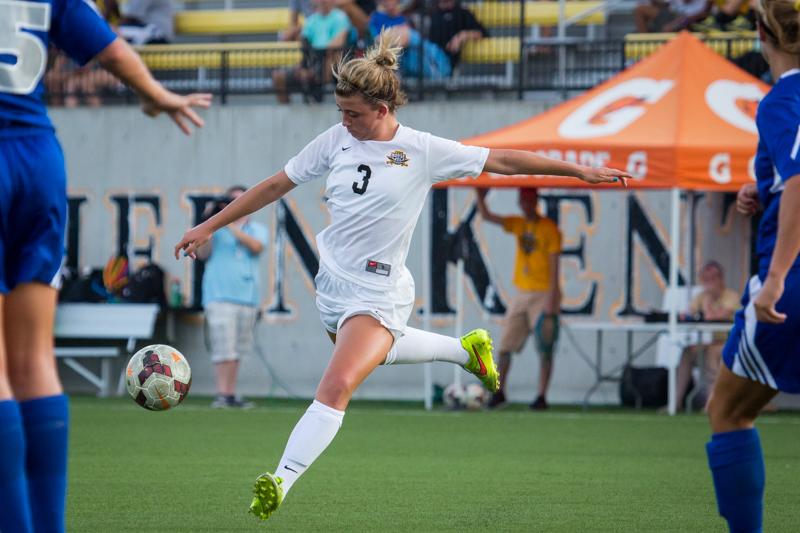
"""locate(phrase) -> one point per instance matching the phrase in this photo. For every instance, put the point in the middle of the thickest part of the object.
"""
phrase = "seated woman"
(716, 303)
(324, 36)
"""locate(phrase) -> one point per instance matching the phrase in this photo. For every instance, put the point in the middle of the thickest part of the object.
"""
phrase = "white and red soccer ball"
(158, 377)
(471, 396)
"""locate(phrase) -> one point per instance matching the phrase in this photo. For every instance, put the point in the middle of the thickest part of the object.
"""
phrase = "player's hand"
(765, 301)
(192, 240)
(179, 108)
(747, 202)
(604, 175)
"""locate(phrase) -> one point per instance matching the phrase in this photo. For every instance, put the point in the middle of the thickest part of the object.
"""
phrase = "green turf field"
(394, 467)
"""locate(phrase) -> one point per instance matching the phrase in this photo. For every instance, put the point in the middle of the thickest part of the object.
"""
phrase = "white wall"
(118, 150)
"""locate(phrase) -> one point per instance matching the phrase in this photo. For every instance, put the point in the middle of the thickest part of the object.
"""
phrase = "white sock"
(312, 434)
(418, 346)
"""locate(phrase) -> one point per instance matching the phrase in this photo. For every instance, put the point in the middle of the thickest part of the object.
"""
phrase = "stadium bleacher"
(234, 50)
(217, 22)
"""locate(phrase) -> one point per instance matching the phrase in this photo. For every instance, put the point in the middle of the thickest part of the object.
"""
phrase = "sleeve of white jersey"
(450, 159)
(313, 161)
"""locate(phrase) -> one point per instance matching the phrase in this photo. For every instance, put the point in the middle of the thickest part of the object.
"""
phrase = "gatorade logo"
(614, 110)
(735, 103)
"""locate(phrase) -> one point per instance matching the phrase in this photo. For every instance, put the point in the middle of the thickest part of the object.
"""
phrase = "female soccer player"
(380, 172)
(33, 409)
(762, 355)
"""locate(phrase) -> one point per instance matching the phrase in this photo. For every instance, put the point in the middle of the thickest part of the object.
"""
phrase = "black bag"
(146, 286)
(644, 387)
(88, 288)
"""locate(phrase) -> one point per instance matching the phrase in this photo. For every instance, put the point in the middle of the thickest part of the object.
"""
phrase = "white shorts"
(339, 299)
(230, 330)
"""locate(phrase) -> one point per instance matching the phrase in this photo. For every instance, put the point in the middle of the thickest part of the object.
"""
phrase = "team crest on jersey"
(398, 157)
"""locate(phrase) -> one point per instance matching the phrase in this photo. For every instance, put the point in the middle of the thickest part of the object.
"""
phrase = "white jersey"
(375, 192)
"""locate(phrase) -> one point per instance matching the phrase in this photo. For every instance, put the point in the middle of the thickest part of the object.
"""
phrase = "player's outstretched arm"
(511, 162)
(266, 192)
(787, 248)
(122, 61)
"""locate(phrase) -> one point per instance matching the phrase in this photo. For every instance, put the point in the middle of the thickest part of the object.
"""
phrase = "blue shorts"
(767, 353)
(33, 209)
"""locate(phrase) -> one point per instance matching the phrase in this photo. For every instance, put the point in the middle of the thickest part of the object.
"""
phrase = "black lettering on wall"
(553, 211)
(639, 226)
(288, 231)
(198, 203)
(74, 204)
(447, 248)
(124, 206)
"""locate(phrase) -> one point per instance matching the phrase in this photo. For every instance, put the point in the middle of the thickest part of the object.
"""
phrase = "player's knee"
(27, 373)
(336, 391)
(726, 415)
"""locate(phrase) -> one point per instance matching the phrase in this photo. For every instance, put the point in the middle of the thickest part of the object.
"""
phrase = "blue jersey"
(26, 30)
(777, 158)
(770, 353)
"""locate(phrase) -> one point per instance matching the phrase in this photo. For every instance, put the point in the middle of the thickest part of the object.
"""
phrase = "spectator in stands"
(358, 11)
(68, 83)
(535, 308)
(297, 8)
(669, 16)
(231, 296)
(324, 35)
(716, 303)
(727, 15)
(147, 22)
(452, 26)
(390, 18)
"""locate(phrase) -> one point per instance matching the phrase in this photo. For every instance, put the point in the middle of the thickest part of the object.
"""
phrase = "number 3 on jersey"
(29, 51)
(361, 188)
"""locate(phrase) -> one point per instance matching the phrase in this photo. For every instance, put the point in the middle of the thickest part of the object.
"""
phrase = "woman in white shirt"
(379, 173)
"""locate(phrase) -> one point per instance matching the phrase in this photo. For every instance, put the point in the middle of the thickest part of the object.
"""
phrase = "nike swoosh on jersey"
(344, 149)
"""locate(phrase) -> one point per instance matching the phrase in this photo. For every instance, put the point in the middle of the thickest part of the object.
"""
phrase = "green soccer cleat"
(268, 495)
(478, 345)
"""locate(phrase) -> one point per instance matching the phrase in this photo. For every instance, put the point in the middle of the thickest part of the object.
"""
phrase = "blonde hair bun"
(385, 52)
(373, 76)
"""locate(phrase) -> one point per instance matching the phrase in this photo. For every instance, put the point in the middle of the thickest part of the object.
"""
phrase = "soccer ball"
(453, 396)
(474, 397)
(158, 377)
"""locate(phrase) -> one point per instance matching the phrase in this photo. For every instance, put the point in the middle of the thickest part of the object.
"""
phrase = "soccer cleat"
(478, 345)
(268, 495)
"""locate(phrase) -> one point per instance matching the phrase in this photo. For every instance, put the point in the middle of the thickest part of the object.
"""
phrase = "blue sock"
(737, 467)
(46, 422)
(16, 515)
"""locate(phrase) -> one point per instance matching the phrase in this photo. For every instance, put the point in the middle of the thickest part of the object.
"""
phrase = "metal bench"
(112, 323)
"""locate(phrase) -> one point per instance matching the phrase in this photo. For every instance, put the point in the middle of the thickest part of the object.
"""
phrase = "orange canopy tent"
(684, 117)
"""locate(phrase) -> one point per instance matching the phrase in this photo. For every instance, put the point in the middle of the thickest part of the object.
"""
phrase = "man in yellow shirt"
(536, 305)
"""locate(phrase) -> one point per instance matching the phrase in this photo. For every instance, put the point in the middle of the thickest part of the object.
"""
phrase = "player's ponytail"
(781, 21)
(373, 76)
